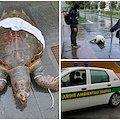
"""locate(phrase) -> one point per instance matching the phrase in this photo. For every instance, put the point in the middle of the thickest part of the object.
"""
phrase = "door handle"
(83, 88)
(109, 85)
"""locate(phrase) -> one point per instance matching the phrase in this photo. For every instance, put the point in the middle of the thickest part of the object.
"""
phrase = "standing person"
(115, 27)
(73, 24)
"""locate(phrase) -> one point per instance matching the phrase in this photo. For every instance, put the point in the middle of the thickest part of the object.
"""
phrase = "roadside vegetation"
(97, 7)
(82, 19)
(102, 12)
(115, 13)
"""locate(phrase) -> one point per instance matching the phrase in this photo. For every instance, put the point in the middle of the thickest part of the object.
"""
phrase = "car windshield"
(63, 70)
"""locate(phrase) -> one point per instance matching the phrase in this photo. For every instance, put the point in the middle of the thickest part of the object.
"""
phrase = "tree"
(94, 4)
(87, 4)
(113, 3)
(102, 5)
(81, 3)
(119, 6)
(71, 3)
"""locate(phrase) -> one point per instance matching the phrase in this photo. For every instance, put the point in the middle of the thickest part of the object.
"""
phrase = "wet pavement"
(97, 112)
(97, 25)
(39, 102)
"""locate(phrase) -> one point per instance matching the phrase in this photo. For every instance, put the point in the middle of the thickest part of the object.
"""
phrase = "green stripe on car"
(79, 94)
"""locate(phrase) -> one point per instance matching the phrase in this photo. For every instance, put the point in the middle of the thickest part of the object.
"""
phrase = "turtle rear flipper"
(3, 77)
(46, 82)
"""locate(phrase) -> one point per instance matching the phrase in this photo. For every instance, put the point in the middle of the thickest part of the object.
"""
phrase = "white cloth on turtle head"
(17, 24)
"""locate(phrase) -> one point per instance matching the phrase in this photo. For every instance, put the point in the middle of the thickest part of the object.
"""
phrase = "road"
(97, 112)
(100, 25)
(39, 101)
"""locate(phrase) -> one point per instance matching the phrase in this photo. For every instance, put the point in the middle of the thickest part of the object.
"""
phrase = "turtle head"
(22, 91)
(20, 80)
(22, 96)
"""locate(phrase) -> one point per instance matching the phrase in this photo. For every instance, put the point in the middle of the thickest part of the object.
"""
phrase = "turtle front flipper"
(3, 77)
(46, 82)
(20, 80)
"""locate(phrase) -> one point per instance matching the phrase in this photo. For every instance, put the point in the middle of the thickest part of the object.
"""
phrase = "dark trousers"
(73, 35)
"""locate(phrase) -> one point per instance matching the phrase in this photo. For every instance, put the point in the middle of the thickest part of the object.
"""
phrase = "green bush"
(105, 12)
(82, 18)
(114, 13)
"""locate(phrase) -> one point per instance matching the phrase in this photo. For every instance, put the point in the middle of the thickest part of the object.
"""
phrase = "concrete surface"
(100, 25)
(45, 16)
(71, 53)
(97, 112)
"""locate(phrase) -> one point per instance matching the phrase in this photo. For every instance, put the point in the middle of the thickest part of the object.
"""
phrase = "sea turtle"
(20, 55)
(98, 39)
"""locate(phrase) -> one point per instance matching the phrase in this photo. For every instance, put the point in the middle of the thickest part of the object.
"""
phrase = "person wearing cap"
(73, 24)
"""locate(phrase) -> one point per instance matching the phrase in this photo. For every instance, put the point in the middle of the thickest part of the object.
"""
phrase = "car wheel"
(115, 100)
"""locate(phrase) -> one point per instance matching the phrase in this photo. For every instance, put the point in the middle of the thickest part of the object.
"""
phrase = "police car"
(88, 86)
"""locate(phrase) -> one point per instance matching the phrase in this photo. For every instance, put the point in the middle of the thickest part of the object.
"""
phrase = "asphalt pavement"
(96, 25)
(45, 16)
(96, 112)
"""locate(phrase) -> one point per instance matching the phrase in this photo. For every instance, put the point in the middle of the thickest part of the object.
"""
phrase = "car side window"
(74, 78)
(99, 76)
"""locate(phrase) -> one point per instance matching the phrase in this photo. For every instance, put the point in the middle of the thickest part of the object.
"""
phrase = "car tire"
(114, 100)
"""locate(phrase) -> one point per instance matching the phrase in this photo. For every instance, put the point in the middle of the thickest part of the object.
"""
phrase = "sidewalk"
(88, 50)
(71, 53)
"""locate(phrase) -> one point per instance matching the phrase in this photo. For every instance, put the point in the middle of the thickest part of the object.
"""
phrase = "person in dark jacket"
(115, 27)
(73, 25)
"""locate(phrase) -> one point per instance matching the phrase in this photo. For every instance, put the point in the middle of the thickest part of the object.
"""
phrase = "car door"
(74, 84)
(99, 87)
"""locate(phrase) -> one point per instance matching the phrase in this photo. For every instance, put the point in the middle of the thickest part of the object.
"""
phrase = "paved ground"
(39, 101)
(97, 112)
(97, 25)
(71, 53)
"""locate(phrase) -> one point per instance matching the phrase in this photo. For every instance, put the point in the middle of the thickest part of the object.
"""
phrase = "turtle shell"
(18, 48)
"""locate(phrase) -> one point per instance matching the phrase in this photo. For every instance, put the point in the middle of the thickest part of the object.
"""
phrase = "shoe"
(76, 46)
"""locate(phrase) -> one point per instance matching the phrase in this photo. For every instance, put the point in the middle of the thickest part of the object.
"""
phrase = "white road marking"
(90, 21)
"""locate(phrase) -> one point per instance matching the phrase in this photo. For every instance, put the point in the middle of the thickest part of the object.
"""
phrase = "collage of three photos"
(59, 59)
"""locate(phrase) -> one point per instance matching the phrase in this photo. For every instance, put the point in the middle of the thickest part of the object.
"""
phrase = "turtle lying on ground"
(98, 39)
(20, 55)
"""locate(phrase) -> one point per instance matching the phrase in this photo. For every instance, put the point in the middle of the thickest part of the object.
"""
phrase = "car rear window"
(99, 76)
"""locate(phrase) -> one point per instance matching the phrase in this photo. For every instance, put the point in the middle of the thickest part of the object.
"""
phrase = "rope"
(57, 77)
(37, 76)
(42, 75)
(3, 80)
(48, 91)
(52, 98)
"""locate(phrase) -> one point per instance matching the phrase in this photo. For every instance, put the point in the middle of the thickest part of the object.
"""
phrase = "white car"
(88, 86)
